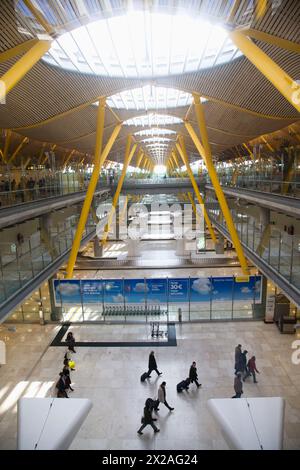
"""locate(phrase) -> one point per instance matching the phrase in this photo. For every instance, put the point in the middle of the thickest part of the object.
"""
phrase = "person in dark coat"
(242, 366)
(66, 372)
(70, 342)
(238, 385)
(193, 376)
(152, 364)
(237, 354)
(62, 386)
(147, 419)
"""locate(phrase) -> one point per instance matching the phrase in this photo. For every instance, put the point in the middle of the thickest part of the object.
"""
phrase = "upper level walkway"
(18, 213)
(273, 201)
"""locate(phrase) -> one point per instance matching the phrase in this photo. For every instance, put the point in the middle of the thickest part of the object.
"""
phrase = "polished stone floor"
(110, 378)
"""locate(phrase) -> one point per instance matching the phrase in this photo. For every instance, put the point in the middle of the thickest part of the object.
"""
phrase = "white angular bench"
(250, 423)
(50, 423)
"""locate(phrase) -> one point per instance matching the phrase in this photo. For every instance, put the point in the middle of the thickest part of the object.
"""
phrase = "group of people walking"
(243, 369)
(64, 383)
(153, 404)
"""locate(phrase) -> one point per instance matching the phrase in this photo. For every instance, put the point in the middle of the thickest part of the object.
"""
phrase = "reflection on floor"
(110, 377)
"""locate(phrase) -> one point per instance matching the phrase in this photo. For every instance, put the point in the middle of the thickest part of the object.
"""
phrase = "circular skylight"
(150, 97)
(153, 119)
(142, 44)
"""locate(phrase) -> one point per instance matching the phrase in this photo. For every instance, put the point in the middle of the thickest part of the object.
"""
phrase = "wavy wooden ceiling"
(46, 92)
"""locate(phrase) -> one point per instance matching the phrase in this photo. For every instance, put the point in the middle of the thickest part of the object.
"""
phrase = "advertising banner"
(178, 290)
(159, 291)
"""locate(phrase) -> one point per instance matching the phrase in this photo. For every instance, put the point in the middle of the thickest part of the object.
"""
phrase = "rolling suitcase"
(184, 385)
(144, 376)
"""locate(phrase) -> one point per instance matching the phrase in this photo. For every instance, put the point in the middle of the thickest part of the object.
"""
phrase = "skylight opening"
(153, 119)
(150, 97)
(155, 131)
(141, 44)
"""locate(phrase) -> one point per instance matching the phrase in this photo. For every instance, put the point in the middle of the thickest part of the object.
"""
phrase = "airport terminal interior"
(149, 220)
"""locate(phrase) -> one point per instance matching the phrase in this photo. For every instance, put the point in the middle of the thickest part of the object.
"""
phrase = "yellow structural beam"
(249, 151)
(17, 50)
(22, 143)
(17, 71)
(139, 158)
(278, 77)
(68, 158)
(271, 39)
(39, 17)
(175, 160)
(260, 8)
(8, 135)
(180, 146)
(41, 153)
(267, 143)
(99, 159)
(205, 151)
(127, 159)
(26, 163)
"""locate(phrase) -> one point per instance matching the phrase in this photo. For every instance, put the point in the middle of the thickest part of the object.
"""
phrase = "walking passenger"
(71, 342)
(238, 385)
(242, 367)
(147, 419)
(152, 364)
(162, 396)
(251, 369)
(193, 376)
(237, 354)
(62, 386)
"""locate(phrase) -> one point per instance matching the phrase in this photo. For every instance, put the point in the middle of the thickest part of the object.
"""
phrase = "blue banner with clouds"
(157, 291)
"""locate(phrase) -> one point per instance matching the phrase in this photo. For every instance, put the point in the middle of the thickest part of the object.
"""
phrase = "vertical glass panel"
(200, 298)
(178, 297)
(135, 293)
(221, 292)
(114, 300)
(92, 299)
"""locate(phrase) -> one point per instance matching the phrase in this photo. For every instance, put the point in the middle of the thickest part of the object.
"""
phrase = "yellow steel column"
(249, 151)
(41, 153)
(127, 159)
(24, 141)
(182, 152)
(90, 191)
(289, 88)
(139, 158)
(68, 158)
(207, 157)
(22, 66)
(6, 145)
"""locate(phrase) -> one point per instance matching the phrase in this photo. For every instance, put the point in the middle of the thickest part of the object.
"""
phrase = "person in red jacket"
(251, 369)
